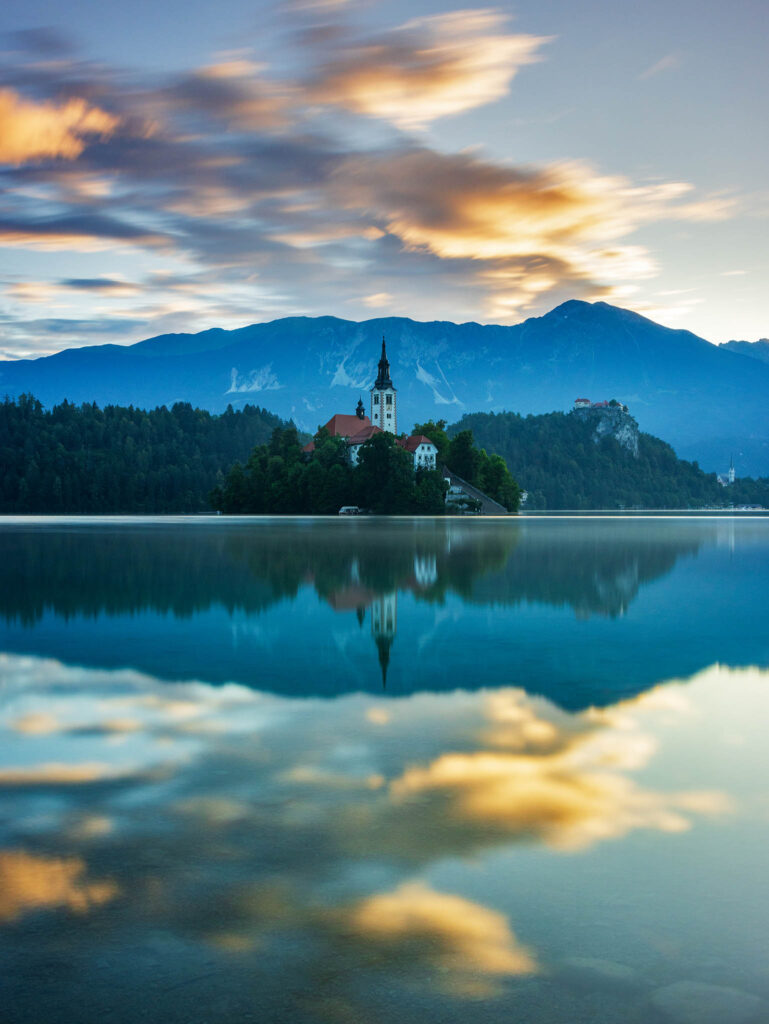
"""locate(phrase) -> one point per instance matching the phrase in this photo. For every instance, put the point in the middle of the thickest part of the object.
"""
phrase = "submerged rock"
(694, 1002)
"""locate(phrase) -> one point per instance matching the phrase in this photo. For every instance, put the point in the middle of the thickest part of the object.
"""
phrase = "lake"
(330, 771)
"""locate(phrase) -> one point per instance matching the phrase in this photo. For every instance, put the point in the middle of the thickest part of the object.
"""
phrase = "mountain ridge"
(706, 400)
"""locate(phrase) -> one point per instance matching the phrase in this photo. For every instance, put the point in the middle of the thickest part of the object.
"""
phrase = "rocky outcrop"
(612, 420)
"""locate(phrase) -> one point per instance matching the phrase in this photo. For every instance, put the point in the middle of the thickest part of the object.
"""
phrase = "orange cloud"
(38, 131)
(532, 231)
(53, 773)
(428, 68)
(29, 882)
(463, 935)
(70, 235)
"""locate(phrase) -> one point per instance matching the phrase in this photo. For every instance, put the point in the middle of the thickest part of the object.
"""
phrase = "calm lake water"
(331, 771)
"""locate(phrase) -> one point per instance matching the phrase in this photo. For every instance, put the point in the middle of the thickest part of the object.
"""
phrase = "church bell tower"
(383, 398)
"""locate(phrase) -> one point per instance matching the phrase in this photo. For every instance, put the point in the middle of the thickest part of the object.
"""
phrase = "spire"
(384, 643)
(360, 412)
(383, 377)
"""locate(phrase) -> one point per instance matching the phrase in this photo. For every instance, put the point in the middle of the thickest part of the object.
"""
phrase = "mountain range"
(756, 349)
(708, 401)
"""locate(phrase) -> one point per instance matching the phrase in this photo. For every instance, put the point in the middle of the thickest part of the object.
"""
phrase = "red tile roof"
(365, 434)
(412, 443)
(342, 425)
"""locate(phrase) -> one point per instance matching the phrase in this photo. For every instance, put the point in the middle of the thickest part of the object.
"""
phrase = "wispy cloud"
(268, 197)
(426, 69)
(667, 63)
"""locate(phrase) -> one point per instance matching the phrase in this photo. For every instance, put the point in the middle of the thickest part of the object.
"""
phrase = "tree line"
(86, 460)
(558, 460)
(280, 477)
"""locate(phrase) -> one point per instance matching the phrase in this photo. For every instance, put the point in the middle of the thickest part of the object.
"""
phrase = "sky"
(174, 166)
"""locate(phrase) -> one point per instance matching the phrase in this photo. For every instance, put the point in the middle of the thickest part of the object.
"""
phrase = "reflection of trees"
(185, 570)
(592, 566)
(113, 571)
(378, 557)
(595, 567)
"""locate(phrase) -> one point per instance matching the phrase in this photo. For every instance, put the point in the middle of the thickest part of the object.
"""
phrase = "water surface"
(384, 770)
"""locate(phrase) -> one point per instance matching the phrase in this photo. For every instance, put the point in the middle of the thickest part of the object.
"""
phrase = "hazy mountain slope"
(706, 400)
(755, 349)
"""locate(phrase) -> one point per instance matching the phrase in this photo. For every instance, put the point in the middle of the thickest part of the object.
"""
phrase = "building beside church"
(358, 428)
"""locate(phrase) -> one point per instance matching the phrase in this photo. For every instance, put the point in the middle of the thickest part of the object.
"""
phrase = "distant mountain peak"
(703, 399)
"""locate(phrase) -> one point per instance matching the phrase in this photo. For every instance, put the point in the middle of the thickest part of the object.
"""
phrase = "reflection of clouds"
(460, 934)
(465, 766)
(54, 773)
(29, 882)
(548, 797)
(247, 823)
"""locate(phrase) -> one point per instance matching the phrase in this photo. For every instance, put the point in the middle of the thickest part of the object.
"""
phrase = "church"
(358, 428)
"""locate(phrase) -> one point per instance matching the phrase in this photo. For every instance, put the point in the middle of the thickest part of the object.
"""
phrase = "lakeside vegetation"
(279, 477)
(80, 459)
(557, 459)
(86, 460)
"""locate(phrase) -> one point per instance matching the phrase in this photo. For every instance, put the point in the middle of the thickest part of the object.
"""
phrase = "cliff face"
(613, 421)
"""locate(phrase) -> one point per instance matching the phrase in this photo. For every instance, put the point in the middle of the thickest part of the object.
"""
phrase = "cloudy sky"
(183, 165)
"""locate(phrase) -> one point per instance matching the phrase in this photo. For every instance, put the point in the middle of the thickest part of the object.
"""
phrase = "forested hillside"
(556, 458)
(83, 459)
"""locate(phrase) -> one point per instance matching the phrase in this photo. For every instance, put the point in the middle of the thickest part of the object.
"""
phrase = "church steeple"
(360, 412)
(383, 397)
(383, 377)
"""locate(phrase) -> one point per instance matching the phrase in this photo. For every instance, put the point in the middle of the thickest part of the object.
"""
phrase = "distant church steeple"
(383, 398)
(383, 378)
(731, 469)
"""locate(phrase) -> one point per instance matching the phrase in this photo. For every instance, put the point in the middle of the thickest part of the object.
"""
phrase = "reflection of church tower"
(384, 618)
(425, 569)
(383, 397)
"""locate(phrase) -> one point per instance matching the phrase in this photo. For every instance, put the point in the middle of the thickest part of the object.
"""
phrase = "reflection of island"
(595, 571)
(106, 569)
(272, 604)
(383, 607)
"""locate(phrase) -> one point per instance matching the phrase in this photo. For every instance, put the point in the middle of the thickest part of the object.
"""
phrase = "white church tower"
(383, 398)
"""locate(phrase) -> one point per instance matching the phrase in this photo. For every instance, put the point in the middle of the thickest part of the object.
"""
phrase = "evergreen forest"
(280, 477)
(557, 459)
(86, 460)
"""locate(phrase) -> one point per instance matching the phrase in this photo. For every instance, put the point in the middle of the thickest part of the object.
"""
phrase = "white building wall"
(384, 409)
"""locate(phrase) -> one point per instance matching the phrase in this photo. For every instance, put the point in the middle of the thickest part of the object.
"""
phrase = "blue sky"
(176, 166)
